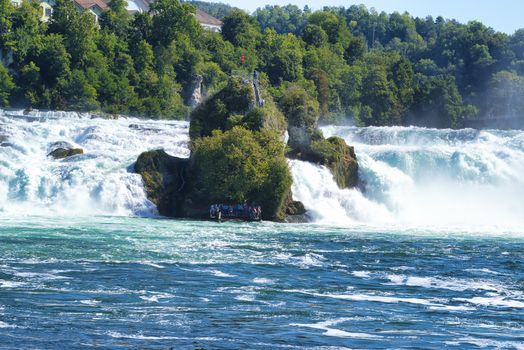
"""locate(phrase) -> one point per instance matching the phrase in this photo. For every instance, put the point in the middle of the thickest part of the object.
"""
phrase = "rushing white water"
(423, 177)
(412, 177)
(94, 183)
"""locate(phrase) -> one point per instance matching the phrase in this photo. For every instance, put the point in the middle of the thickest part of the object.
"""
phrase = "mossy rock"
(238, 166)
(340, 158)
(213, 114)
(302, 113)
(60, 153)
(235, 105)
(164, 179)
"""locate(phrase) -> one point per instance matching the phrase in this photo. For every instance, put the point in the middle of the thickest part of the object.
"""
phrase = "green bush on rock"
(213, 114)
(308, 143)
(241, 165)
(339, 158)
(235, 105)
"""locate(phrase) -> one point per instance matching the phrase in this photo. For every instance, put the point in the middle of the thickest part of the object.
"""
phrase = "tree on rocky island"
(240, 166)
(237, 156)
(307, 142)
(6, 86)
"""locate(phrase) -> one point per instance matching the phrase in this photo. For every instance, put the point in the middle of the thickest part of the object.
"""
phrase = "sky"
(502, 15)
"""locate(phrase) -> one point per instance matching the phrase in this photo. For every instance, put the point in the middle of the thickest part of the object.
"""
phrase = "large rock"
(340, 158)
(300, 138)
(164, 179)
(235, 105)
(301, 111)
(61, 149)
(295, 212)
(196, 96)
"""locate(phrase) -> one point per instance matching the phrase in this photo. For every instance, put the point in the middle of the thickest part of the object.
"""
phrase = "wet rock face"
(164, 179)
(295, 211)
(61, 149)
(340, 158)
(196, 96)
(299, 138)
(3, 134)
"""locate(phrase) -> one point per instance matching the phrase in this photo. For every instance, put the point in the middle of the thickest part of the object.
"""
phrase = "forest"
(372, 67)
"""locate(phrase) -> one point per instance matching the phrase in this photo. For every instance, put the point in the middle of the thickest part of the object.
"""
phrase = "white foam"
(6, 325)
(370, 297)
(150, 298)
(261, 280)
(11, 284)
(326, 203)
(497, 301)
(310, 260)
(139, 336)
(422, 178)
(451, 308)
(149, 263)
(361, 274)
(245, 297)
(455, 284)
(333, 332)
(219, 273)
(483, 270)
(486, 343)
(95, 183)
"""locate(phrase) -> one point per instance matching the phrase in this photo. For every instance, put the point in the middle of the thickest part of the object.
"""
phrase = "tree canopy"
(374, 67)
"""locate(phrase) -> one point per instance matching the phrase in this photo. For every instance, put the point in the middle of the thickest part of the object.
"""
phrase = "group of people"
(235, 211)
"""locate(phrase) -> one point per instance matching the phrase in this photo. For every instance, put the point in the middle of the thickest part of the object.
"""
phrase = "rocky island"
(238, 154)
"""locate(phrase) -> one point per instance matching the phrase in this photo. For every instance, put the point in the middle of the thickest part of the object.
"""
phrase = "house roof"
(204, 18)
(87, 4)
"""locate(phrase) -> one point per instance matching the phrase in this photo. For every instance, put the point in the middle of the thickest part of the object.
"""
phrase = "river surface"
(426, 253)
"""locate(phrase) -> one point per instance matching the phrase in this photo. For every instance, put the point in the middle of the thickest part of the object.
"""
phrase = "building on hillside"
(208, 22)
(47, 9)
(134, 6)
(95, 7)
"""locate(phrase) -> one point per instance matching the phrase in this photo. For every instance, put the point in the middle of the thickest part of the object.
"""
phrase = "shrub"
(242, 165)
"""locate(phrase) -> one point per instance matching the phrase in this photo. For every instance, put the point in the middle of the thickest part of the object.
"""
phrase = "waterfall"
(422, 177)
(98, 182)
(409, 176)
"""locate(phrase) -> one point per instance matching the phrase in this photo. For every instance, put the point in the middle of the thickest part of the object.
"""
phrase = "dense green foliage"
(242, 165)
(235, 105)
(339, 158)
(237, 153)
(224, 110)
(217, 10)
(378, 68)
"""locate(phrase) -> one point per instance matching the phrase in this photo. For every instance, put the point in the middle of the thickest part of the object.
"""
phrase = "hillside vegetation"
(377, 68)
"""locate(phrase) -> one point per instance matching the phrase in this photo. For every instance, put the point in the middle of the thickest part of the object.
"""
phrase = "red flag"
(243, 58)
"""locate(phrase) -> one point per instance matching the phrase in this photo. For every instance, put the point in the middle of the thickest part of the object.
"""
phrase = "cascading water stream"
(94, 183)
(422, 177)
(411, 177)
